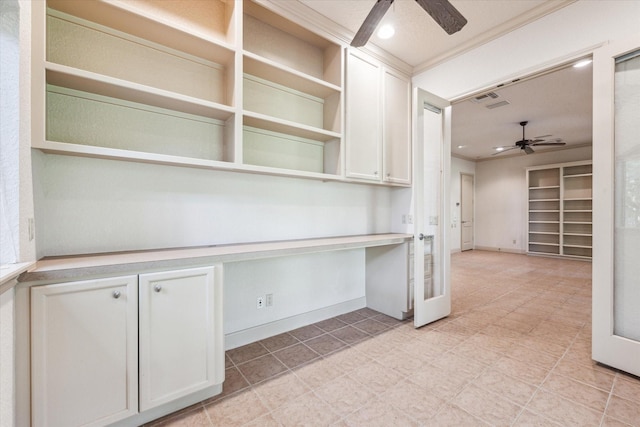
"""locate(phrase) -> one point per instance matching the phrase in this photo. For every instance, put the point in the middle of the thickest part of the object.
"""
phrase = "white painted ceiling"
(557, 103)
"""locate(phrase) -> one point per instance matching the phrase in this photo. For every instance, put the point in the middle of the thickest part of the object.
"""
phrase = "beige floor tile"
(280, 390)
(306, 410)
(344, 395)
(401, 362)
(233, 382)
(412, 400)
(576, 391)
(470, 349)
(318, 372)
(487, 406)
(627, 387)
(533, 357)
(563, 411)
(624, 410)
(235, 410)
(612, 422)
(349, 359)
(521, 370)
(379, 414)
(593, 375)
(266, 420)
(510, 388)
(454, 416)
(530, 419)
(194, 416)
(375, 377)
(437, 381)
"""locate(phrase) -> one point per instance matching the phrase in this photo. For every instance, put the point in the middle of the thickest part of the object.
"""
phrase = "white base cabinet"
(107, 350)
(84, 338)
(177, 335)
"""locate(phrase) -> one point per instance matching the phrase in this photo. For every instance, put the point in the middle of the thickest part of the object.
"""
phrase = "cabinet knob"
(375, 172)
(116, 294)
(157, 288)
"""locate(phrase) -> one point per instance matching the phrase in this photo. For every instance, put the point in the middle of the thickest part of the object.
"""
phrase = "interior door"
(432, 159)
(616, 207)
(466, 212)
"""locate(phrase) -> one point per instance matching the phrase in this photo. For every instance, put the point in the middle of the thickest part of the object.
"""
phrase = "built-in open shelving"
(560, 210)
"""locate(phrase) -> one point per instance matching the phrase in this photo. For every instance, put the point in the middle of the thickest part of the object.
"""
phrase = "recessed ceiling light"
(386, 31)
(582, 63)
(461, 146)
(499, 148)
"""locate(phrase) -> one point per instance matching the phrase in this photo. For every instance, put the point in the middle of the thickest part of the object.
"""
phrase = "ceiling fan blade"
(371, 22)
(504, 151)
(527, 149)
(537, 144)
(444, 14)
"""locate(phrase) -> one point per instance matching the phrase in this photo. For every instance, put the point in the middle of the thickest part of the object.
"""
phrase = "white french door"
(616, 205)
(432, 148)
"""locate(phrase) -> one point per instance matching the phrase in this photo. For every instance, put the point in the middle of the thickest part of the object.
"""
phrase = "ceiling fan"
(441, 11)
(526, 144)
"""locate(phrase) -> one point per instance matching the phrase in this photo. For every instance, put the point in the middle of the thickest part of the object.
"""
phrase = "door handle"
(425, 236)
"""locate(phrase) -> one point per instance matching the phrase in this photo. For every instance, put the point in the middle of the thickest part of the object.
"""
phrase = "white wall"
(501, 197)
(87, 205)
(458, 166)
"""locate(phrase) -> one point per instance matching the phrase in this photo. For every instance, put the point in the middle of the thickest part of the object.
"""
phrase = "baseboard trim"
(494, 249)
(260, 332)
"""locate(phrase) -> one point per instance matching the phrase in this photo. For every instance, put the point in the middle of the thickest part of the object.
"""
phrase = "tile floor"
(514, 352)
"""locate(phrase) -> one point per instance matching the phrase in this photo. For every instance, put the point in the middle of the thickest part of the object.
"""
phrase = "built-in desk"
(109, 264)
(151, 308)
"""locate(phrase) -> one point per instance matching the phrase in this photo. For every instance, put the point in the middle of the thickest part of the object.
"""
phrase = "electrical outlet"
(514, 241)
(260, 302)
(268, 300)
(404, 219)
(410, 219)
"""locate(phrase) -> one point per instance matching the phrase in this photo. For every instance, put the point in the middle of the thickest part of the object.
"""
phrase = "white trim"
(260, 332)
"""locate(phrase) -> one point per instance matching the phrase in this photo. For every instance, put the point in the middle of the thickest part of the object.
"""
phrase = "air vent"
(484, 97)
(498, 104)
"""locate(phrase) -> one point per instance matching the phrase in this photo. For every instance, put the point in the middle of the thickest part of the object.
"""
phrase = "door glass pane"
(627, 197)
(432, 201)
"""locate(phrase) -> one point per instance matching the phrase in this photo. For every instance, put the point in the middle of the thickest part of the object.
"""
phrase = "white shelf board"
(553, 233)
(578, 199)
(578, 234)
(578, 222)
(274, 124)
(544, 243)
(544, 210)
(270, 70)
(544, 222)
(578, 210)
(577, 246)
(545, 187)
(123, 17)
(577, 175)
(544, 200)
(86, 81)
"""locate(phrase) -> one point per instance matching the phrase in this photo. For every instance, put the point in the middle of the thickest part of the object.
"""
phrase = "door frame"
(473, 209)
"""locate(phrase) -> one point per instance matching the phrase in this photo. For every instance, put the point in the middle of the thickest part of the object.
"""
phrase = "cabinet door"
(363, 127)
(84, 352)
(181, 348)
(397, 133)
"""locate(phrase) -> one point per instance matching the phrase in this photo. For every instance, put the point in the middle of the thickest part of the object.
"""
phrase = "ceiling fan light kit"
(441, 11)
(525, 144)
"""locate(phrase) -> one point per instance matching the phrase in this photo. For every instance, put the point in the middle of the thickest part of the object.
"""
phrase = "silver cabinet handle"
(157, 288)
(116, 294)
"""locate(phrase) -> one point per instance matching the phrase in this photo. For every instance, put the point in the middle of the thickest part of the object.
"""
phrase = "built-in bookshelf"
(215, 84)
(560, 210)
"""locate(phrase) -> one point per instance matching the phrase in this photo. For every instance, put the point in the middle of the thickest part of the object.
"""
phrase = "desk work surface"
(73, 267)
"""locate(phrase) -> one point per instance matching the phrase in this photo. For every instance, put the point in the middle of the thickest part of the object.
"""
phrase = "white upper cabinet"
(378, 136)
(396, 159)
(363, 115)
